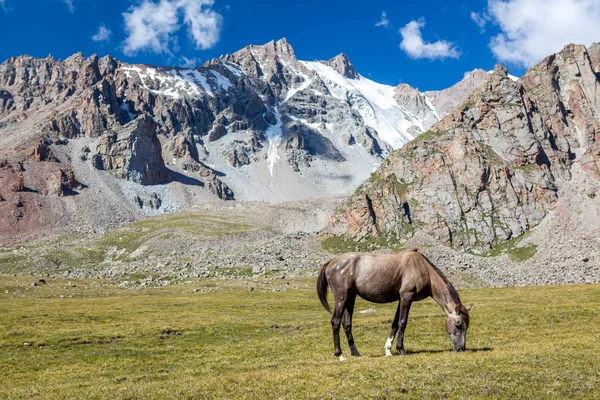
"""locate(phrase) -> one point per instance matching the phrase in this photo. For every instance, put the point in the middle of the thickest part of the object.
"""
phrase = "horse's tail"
(322, 287)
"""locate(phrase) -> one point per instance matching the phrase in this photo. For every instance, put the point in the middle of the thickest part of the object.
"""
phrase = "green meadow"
(213, 339)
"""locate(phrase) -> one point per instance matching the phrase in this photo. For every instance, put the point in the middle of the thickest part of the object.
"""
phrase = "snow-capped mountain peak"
(374, 101)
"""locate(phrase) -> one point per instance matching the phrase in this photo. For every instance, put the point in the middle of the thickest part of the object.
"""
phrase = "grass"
(529, 169)
(72, 251)
(522, 253)
(531, 342)
(427, 136)
(402, 189)
(511, 247)
(12, 262)
(133, 235)
(342, 244)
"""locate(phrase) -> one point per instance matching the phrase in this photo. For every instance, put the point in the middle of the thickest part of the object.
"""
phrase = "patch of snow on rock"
(273, 134)
(374, 101)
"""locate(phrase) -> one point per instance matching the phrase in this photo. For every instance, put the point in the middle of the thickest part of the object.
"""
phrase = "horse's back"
(382, 277)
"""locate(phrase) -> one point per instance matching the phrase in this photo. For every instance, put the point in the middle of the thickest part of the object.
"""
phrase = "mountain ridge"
(257, 124)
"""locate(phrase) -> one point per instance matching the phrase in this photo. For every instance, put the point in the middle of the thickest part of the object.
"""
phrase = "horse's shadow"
(409, 352)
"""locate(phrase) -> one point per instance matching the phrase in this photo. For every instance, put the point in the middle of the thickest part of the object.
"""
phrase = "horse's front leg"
(406, 300)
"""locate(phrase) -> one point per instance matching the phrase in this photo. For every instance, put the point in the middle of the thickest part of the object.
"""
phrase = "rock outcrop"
(444, 101)
(134, 153)
(19, 184)
(64, 183)
(342, 65)
(41, 152)
(492, 168)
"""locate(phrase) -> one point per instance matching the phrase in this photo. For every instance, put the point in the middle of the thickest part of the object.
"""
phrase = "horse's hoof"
(342, 358)
(357, 354)
(388, 353)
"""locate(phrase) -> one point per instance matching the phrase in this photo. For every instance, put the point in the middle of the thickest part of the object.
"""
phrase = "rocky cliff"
(493, 168)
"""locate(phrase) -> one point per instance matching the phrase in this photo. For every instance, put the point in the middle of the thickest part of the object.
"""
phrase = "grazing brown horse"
(382, 278)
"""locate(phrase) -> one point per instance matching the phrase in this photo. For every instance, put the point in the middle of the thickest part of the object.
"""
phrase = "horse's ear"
(468, 307)
(457, 308)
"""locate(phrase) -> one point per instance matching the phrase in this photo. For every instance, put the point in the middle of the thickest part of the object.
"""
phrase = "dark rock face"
(271, 68)
(64, 183)
(151, 201)
(134, 153)
(492, 168)
(302, 144)
(220, 189)
(19, 184)
(341, 63)
(240, 153)
(41, 152)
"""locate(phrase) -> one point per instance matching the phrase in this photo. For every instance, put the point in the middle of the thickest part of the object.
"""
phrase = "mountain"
(88, 143)
(511, 154)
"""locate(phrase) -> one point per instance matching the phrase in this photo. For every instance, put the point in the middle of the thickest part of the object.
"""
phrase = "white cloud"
(480, 20)
(151, 26)
(189, 62)
(413, 44)
(385, 22)
(534, 29)
(103, 34)
(204, 24)
(69, 4)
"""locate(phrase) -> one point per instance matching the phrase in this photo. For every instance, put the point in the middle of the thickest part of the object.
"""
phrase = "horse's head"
(457, 325)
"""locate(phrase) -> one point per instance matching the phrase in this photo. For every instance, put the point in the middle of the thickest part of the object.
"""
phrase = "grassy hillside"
(212, 339)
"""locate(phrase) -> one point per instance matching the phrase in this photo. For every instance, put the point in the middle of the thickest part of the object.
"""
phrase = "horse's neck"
(443, 292)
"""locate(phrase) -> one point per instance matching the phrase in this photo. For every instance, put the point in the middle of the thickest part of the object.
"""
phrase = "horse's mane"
(451, 288)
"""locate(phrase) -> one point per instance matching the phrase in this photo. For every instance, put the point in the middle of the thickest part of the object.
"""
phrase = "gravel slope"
(274, 241)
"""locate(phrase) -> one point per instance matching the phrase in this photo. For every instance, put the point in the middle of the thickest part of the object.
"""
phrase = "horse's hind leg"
(405, 302)
(336, 320)
(347, 322)
(390, 340)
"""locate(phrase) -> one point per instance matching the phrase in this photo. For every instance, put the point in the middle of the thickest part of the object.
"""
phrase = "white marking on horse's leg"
(342, 358)
(388, 346)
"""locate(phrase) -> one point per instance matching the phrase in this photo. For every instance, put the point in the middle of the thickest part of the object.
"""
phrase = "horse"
(384, 278)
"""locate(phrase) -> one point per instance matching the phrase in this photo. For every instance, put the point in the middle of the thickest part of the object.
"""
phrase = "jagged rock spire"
(341, 63)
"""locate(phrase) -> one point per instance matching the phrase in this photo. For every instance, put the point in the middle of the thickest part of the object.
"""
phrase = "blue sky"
(429, 45)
